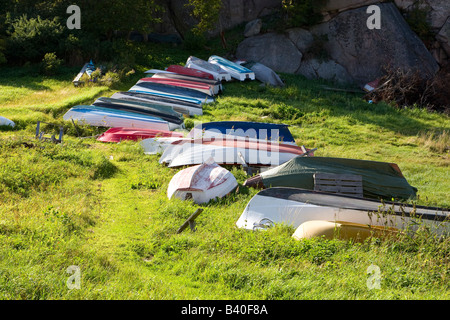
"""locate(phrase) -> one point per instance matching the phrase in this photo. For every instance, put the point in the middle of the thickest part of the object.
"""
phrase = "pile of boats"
(152, 112)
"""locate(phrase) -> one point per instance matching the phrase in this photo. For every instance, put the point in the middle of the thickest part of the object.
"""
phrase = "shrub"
(50, 64)
(34, 37)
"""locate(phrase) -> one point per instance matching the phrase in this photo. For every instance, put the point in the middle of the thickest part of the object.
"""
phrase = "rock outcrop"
(357, 53)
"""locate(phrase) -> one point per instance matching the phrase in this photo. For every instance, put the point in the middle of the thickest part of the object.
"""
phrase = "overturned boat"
(105, 117)
(6, 122)
(169, 91)
(216, 86)
(294, 207)
(235, 70)
(119, 134)
(202, 183)
(257, 130)
(201, 87)
(230, 151)
(175, 119)
(202, 65)
(189, 72)
(379, 179)
(184, 107)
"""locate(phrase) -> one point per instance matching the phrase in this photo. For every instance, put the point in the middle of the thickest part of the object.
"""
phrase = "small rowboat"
(216, 86)
(204, 88)
(295, 206)
(175, 119)
(202, 65)
(6, 122)
(169, 91)
(189, 72)
(180, 106)
(235, 70)
(105, 117)
(119, 134)
(202, 183)
(229, 150)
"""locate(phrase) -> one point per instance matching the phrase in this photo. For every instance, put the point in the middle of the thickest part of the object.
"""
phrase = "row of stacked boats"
(153, 110)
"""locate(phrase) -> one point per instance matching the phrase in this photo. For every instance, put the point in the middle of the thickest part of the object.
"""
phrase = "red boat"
(189, 71)
(118, 134)
(202, 87)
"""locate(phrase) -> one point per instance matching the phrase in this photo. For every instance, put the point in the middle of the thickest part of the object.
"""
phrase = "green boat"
(379, 179)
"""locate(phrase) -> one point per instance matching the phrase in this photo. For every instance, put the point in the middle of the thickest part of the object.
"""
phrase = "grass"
(103, 207)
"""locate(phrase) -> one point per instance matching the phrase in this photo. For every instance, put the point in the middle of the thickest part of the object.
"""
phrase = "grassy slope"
(104, 208)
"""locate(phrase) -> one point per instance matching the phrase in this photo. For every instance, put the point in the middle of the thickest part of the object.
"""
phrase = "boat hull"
(293, 207)
(164, 90)
(202, 183)
(118, 134)
(257, 130)
(166, 113)
(189, 72)
(180, 106)
(202, 65)
(206, 89)
(228, 151)
(104, 117)
(235, 70)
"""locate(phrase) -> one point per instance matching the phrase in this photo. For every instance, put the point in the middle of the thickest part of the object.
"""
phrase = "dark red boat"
(189, 71)
(118, 134)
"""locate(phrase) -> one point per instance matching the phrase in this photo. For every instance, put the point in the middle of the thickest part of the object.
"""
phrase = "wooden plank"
(190, 221)
(348, 184)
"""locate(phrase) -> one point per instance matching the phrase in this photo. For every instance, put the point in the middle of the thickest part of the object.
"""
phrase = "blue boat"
(235, 70)
(180, 106)
(164, 112)
(256, 130)
(174, 92)
(105, 117)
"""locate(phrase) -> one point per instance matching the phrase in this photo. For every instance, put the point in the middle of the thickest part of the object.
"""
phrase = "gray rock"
(364, 52)
(301, 38)
(273, 50)
(444, 36)
(252, 28)
(328, 70)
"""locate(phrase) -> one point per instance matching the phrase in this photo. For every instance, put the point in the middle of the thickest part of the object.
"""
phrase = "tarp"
(380, 179)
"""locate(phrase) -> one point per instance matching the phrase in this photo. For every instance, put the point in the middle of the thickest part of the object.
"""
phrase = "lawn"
(103, 207)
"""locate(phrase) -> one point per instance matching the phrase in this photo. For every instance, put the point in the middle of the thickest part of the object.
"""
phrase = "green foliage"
(32, 38)
(50, 64)
(302, 13)
(207, 12)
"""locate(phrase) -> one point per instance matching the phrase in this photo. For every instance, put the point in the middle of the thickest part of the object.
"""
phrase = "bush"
(50, 64)
(32, 38)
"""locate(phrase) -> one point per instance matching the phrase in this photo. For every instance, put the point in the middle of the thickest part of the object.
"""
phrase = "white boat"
(202, 65)
(104, 117)
(293, 207)
(231, 150)
(202, 183)
(6, 122)
(235, 70)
